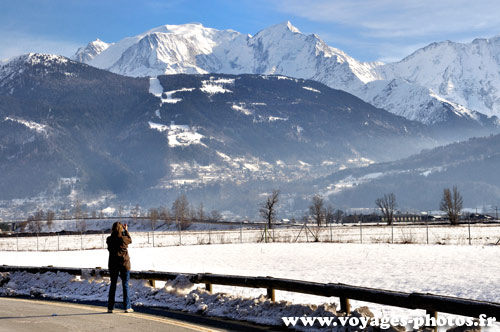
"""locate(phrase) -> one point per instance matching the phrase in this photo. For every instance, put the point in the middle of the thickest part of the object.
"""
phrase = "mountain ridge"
(72, 131)
(283, 49)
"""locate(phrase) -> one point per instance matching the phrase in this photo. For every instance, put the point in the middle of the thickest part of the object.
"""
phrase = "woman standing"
(119, 264)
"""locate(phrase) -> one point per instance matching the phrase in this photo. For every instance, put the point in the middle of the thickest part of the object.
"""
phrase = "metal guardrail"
(429, 302)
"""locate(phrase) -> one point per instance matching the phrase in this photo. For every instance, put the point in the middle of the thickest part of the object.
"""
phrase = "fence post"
(345, 305)
(241, 231)
(469, 234)
(81, 241)
(331, 233)
(17, 242)
(427, 228)
(392, 232)
(102, 239)
(58, 242)
(361, 231)
(37, 241)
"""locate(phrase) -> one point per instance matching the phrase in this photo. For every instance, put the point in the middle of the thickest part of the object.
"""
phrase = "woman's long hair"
(117, 229)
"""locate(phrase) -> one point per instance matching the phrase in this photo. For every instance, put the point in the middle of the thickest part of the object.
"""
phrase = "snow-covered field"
(471, 272)
(238, 233)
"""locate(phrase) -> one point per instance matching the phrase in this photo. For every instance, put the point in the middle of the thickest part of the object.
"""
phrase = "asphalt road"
(18, 315)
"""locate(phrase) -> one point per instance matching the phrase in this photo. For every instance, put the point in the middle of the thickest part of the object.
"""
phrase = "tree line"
(451, 203)
(181, 214)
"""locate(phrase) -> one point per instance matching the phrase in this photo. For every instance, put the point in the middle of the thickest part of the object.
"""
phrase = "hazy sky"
(369, 30)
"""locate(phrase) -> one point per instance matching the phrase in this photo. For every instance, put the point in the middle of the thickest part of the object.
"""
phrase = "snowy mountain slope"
(89, 52)
(416, 102)
(467, 74)
(70, 129)
(440, 82)
(192, 48)
(418, 181)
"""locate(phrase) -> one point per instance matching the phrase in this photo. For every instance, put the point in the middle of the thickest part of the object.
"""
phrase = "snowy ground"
(471, 272)
(239, 233)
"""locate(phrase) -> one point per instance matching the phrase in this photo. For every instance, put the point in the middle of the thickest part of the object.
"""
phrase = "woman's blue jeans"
(125, 276)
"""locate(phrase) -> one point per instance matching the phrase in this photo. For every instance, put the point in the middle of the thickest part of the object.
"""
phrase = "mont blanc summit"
(442, 82)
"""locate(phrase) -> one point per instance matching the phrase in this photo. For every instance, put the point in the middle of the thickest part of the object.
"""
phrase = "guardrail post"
(152, 282)
(271, 294)
(433, 314)
(345, 305)
(209, 288)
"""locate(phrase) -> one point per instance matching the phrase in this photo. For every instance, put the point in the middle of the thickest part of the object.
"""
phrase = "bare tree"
(339, 215)
(35, 222)
(39, 215)
(330, 214)
(268, 208)
(316, 210)
(120, 212)
(200, 212)
(135, 212)
(215, 215)
(153, 218)
(81, 224)
(387, 206)
(78, 210)
(165, 216)
(452, 203)
(180, 211)
(50, 219)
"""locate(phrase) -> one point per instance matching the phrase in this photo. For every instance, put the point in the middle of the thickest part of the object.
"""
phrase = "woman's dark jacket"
(118, 253)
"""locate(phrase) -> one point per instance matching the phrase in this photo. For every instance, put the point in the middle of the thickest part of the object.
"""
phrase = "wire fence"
(467, 234)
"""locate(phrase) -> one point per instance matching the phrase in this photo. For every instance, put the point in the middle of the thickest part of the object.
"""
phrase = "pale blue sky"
(368, 30)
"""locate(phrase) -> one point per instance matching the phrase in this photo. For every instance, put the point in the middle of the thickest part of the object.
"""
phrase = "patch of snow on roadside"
(177, 294)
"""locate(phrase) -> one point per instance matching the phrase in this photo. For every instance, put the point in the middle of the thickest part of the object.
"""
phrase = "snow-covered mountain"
(467, 74)
(70, 130)
(435, 84)
(192, 48)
